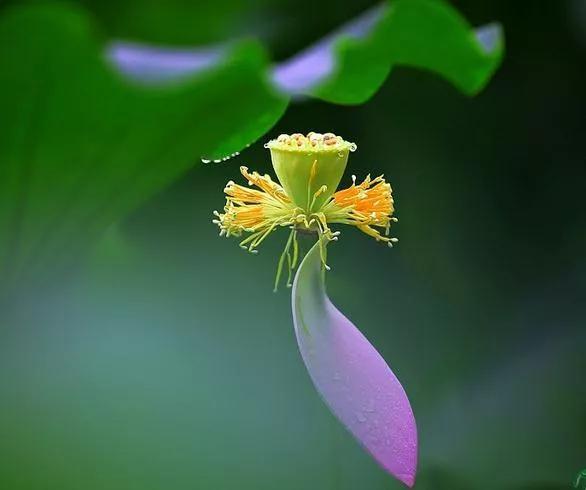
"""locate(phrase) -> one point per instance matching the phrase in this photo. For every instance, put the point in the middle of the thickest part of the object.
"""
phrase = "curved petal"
(351, 376)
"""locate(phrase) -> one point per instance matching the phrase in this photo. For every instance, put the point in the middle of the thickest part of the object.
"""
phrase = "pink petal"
(351, 376)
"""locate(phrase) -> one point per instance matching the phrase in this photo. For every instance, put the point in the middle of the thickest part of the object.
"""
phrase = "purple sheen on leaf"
(316, 63)
(489, 36)
(296, 77)
(351, 376)
(156, 65)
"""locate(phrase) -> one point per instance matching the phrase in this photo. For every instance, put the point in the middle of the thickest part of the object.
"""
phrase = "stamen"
(319, 192)
(285, 254)
(312, 174)
(367, 206)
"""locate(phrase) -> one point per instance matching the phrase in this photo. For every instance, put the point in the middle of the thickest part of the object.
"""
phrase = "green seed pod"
(310, 167)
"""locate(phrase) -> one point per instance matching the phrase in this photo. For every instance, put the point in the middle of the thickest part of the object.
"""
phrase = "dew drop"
(360, 417)
(205, 160)
(370, 407)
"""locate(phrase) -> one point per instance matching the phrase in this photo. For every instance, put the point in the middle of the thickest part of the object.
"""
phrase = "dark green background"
(165, 361)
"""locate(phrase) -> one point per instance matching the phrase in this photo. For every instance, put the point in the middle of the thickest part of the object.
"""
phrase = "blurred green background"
(166, 362)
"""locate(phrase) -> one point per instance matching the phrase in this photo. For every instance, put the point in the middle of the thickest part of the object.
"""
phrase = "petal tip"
(353, 379)
(408, 479)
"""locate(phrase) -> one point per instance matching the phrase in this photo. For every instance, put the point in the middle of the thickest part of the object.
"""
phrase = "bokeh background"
(164, 361)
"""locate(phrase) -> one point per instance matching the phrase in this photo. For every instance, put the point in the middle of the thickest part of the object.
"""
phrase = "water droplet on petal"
(360, 417)
(370, 406)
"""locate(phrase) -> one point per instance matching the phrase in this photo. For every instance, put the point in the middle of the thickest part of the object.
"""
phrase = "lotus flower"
(309, 169)
(350, 375)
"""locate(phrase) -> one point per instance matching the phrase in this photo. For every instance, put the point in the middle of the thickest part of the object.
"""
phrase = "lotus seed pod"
(312, 162)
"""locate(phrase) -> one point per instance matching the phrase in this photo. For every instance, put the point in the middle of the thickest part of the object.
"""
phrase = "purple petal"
(351, 376)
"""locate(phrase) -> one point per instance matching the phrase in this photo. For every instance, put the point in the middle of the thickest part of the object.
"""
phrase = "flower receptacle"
(310, 167)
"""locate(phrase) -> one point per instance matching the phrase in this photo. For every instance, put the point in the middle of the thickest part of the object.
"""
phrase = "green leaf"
(425, 34)
(82, 146)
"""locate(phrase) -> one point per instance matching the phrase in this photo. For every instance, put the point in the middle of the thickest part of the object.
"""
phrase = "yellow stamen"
(366, 205)
(256, 211)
